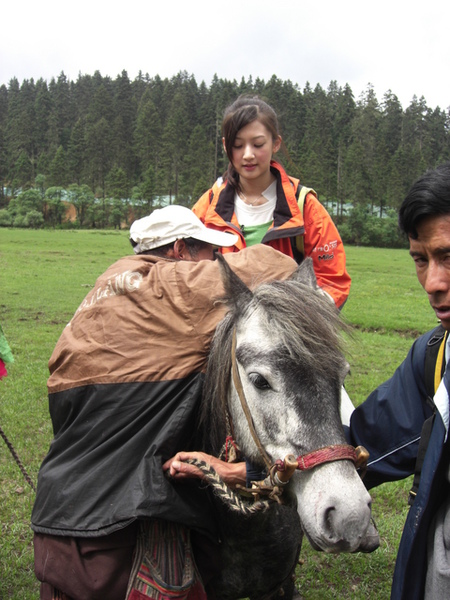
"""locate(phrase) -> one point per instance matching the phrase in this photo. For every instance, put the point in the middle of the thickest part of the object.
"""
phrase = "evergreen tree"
(124, 124)
(164, 137)
(43, 108)
(437, 147)
(76, 152)
(317, 157)
(20, 127)
(363, 158)
(147, 134)
(199, 166)
(414, 137)
(175, 139)
(57, 171)
(63, 114)
(99, 152)
(344, 114)
(3, 143)
(391, 123)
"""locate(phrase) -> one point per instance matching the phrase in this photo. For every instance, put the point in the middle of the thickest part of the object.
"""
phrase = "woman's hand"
(230, 473)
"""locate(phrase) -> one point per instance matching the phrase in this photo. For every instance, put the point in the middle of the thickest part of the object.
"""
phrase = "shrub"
(364, 229)
(19, 221)
(32, 220)
(5, 218)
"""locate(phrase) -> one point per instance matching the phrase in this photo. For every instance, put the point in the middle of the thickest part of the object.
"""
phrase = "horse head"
(285, 340)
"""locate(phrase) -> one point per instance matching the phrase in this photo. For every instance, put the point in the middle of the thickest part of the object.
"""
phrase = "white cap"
(171, 223)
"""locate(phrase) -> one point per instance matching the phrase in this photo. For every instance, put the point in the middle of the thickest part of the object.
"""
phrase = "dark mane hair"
(428, 196)
(309, 329)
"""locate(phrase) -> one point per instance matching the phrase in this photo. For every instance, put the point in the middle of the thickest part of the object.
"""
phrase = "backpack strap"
(433, 372)
(300, 194)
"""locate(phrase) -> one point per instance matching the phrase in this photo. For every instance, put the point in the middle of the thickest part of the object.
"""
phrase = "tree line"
(111, 146)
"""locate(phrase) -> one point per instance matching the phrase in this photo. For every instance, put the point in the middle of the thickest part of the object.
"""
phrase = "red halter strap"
(325, 455)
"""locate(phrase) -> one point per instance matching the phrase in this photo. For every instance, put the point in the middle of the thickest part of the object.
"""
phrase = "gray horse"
(273, 381)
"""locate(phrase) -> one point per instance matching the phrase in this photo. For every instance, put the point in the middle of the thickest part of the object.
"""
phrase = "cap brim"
(217, 238)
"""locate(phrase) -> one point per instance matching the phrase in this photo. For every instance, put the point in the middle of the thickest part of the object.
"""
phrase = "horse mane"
(309, 329)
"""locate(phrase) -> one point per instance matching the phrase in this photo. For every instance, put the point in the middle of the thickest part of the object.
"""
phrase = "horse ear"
(305, 274)
(235, 289)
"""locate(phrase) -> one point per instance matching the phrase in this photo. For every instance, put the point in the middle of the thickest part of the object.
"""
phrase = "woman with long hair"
(257, 200)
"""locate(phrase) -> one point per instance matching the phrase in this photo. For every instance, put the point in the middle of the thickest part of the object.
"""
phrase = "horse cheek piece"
(273, 382)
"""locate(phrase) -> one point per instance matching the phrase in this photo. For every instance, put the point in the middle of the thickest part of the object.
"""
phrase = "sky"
(397, 45)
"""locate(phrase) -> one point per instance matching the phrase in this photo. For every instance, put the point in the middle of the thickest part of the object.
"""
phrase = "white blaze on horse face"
(333, 504)
(287, 411)
(264, 390)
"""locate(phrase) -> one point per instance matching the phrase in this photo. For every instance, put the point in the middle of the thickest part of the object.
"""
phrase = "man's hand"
(230, 473)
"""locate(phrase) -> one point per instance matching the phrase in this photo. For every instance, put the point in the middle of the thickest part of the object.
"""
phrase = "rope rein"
(225, 493)
(18, 461)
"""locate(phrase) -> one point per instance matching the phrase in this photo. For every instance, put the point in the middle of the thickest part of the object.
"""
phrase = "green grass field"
(44, 275)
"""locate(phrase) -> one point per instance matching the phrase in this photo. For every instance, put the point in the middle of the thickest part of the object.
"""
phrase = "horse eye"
(259, 381)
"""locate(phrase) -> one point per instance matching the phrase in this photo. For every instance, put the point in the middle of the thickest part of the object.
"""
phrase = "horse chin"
(336, 549)
(369, 542)
(315, 546)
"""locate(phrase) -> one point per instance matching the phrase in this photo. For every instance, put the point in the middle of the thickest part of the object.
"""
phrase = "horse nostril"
(329, 518)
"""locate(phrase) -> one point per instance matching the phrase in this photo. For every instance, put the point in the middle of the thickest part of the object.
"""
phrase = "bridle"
(282, 470)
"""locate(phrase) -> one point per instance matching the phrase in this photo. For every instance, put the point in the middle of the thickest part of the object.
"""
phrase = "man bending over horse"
(124, 390)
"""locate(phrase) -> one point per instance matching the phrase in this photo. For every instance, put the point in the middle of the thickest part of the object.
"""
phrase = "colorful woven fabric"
(164, 567)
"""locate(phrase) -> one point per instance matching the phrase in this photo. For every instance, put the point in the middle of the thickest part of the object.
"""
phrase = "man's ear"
(180, 251)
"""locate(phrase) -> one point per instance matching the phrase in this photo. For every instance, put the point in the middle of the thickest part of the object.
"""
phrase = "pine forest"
(117, 147)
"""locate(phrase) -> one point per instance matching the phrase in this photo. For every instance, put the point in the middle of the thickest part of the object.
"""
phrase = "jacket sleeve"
(323, 243)
(389, 423)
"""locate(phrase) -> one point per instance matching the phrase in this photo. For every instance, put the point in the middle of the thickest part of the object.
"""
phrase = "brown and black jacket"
(124, 391)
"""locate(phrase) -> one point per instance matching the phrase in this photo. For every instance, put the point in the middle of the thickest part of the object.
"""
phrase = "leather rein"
(282, 470)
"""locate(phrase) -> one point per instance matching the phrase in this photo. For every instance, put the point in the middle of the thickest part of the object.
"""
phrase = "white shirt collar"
(441, 398)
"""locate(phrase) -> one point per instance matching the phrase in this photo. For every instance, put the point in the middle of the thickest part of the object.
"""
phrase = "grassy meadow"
(44, 275)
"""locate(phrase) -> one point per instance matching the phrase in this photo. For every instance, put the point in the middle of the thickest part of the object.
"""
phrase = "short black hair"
(194, 246)
(429, 196)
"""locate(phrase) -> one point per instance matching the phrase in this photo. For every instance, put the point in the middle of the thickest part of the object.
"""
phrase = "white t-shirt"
(256, 215)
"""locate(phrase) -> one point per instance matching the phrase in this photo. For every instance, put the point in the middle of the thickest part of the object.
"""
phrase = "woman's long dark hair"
(243, 111)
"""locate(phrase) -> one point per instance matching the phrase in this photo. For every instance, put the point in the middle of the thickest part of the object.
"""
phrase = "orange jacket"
(321, 239)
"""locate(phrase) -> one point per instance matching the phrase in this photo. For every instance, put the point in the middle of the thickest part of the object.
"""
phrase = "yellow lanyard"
(439, 363)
